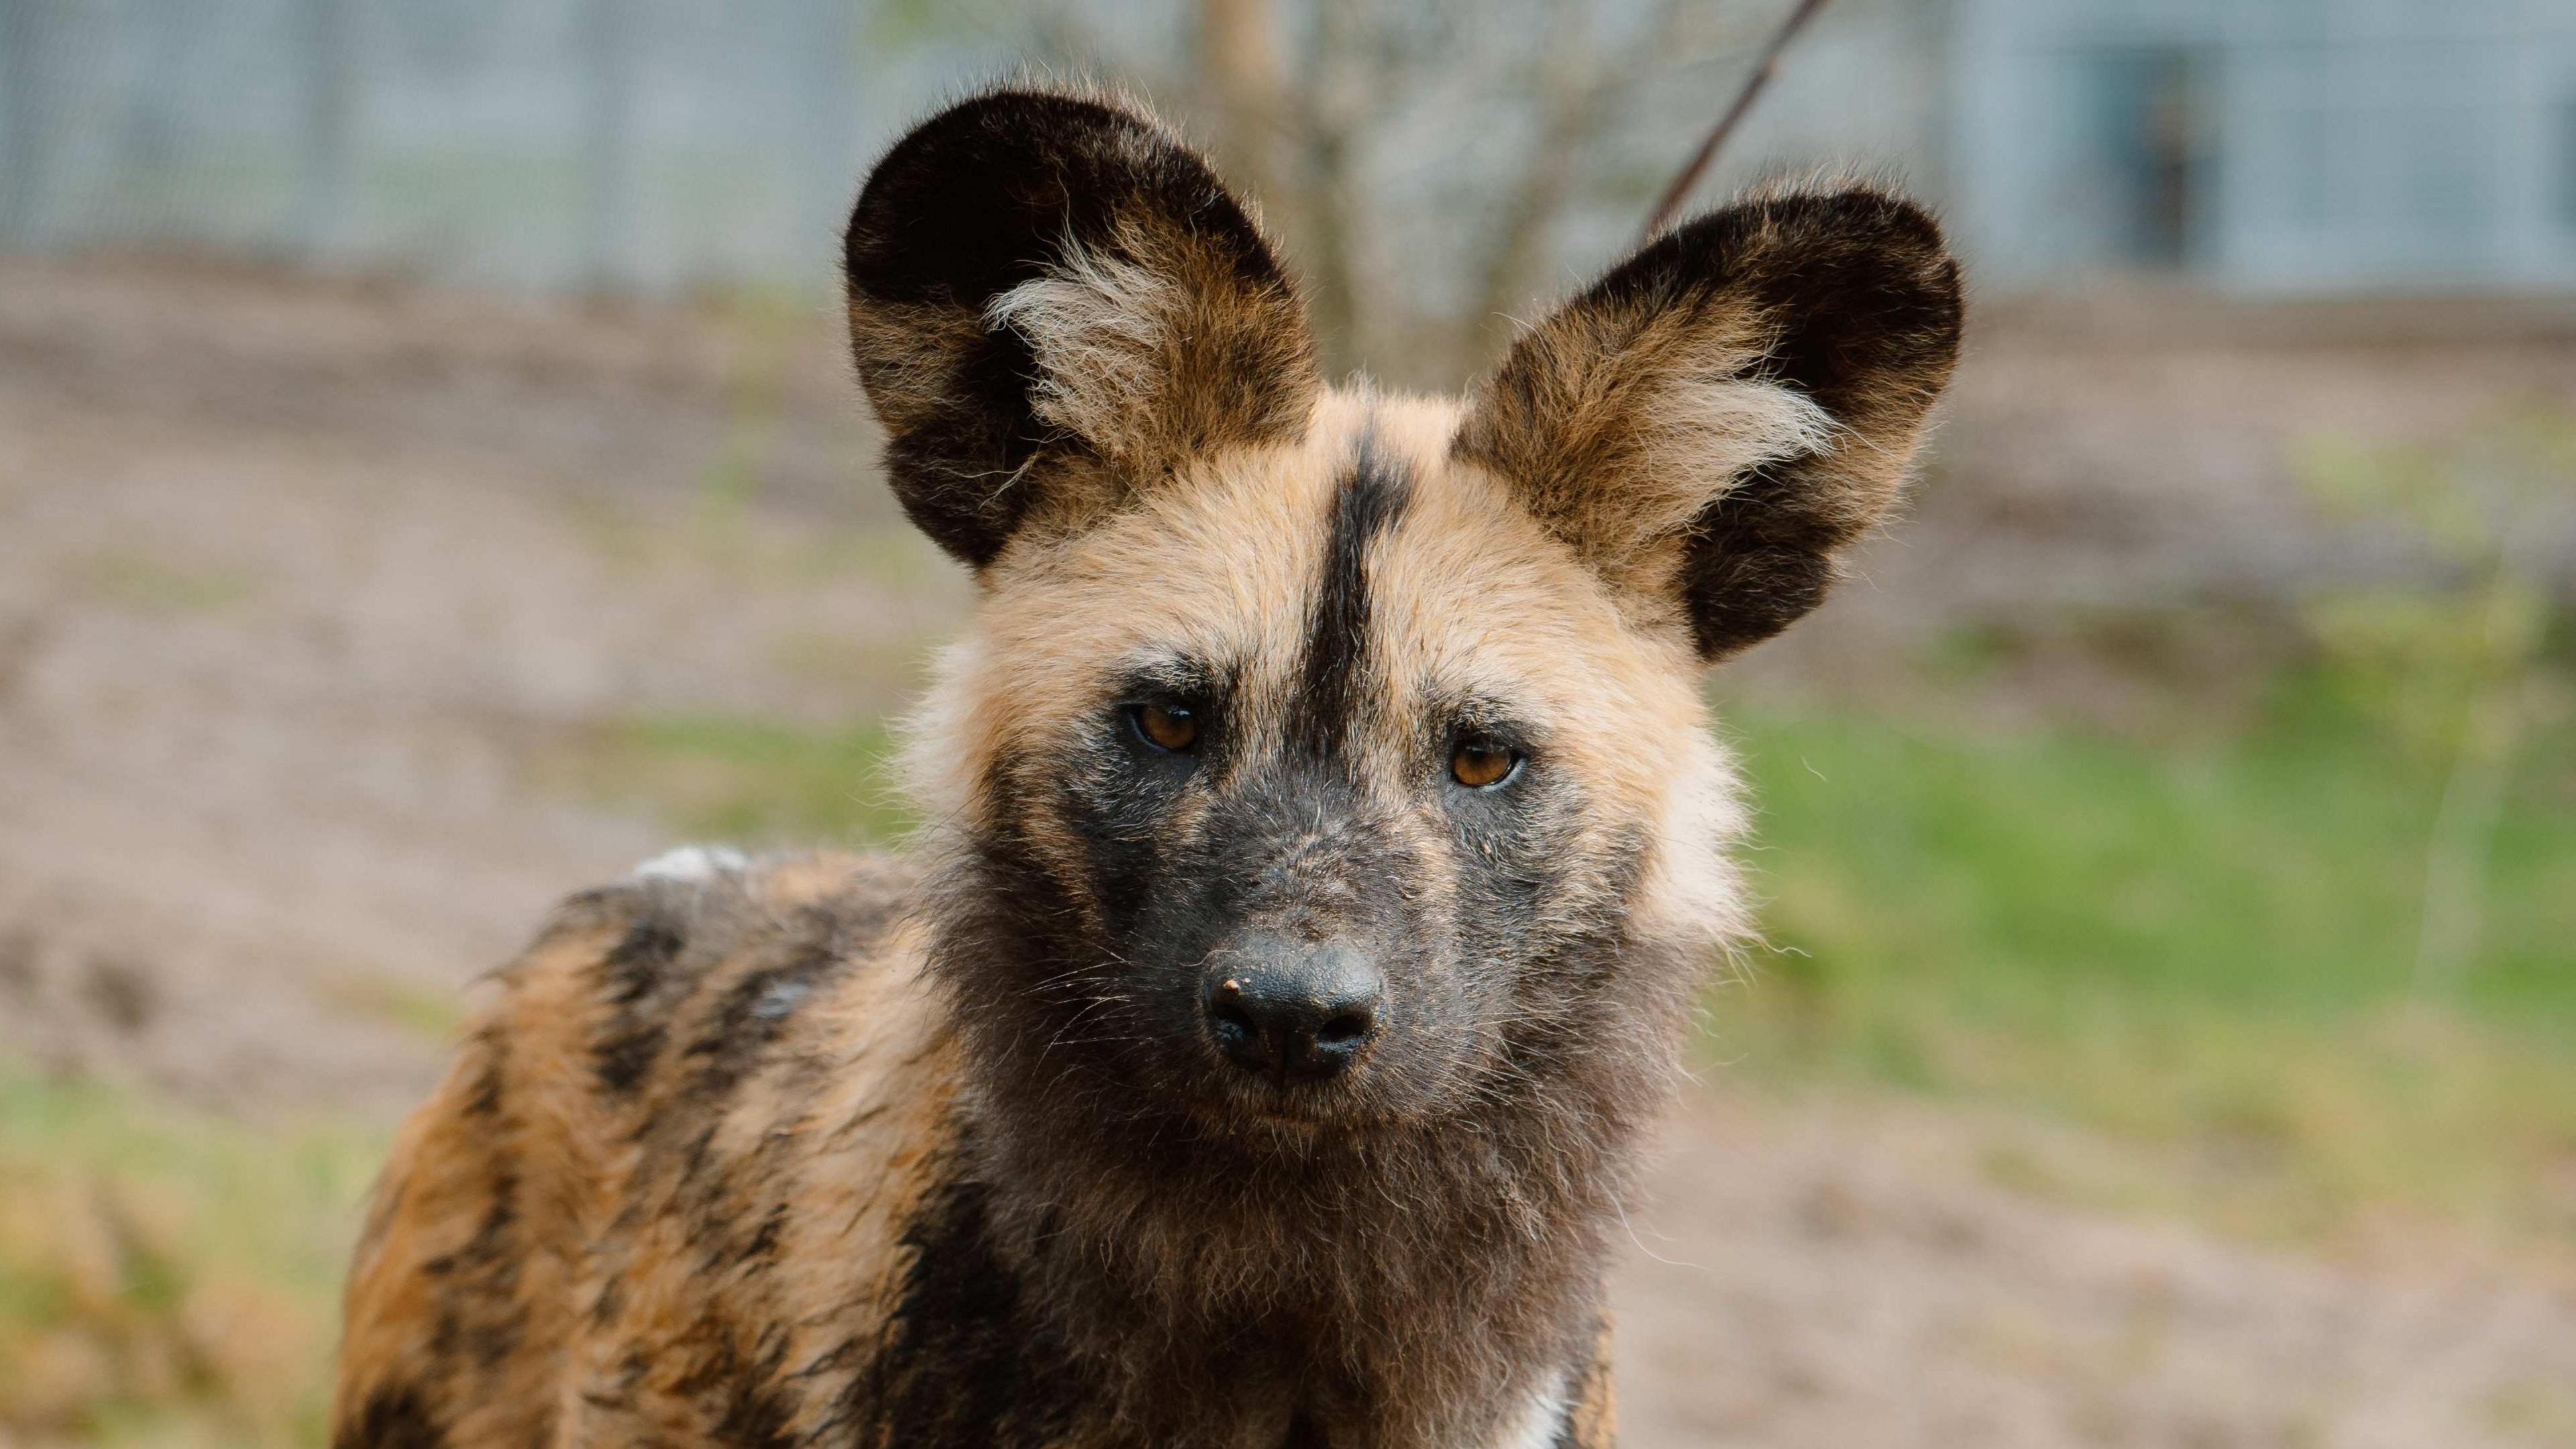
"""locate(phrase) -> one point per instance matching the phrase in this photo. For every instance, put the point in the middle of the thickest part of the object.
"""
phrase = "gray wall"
(661, 145)
(624, 144)
(2321, 144)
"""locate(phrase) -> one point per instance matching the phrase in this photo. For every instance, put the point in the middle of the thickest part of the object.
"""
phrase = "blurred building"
(2270, 144)
(658, 145)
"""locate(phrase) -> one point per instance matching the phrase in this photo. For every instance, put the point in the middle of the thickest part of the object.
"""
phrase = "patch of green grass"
(166, 1278)
(2208, 951)
(2278, 872)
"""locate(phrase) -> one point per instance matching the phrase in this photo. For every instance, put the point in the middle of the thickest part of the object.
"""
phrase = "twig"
(1679, 191)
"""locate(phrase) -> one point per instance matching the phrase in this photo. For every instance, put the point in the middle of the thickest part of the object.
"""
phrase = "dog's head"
(1317, 757)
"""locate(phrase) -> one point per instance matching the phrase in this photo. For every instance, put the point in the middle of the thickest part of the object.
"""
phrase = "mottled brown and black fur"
(824, 1151)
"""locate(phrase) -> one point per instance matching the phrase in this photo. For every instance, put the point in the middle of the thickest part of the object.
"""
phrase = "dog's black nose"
(1291, 1011)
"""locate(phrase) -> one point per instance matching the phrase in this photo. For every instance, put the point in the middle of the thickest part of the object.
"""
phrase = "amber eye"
(1167, 726)
(1478, 763)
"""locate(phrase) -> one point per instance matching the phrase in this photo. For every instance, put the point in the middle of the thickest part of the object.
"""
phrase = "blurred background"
(430, 483)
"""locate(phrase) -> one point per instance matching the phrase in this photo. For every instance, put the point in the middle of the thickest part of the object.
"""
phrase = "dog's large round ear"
(1052, 300)
(1712, 422)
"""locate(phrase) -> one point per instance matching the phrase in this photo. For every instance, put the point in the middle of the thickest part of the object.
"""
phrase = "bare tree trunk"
(1327, 192)
(1289, 150)
(1244, 85)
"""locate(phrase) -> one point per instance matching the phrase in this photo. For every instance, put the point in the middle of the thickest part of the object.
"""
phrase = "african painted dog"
(1325, 841)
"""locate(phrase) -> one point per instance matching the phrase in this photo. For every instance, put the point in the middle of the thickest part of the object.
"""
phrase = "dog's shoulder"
(701, 1072)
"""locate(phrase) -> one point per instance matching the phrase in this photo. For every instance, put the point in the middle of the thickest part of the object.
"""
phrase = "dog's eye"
(1477, 763)
(1171, 727)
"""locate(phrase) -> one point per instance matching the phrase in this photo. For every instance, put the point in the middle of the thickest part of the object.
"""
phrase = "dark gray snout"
(1290, 1010)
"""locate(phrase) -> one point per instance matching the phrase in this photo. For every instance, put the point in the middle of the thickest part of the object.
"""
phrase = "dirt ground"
(307, 592)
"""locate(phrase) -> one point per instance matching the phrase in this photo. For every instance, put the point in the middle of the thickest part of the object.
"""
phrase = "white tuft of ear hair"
(1701, 435)
(1621, 430)
(1106, 332)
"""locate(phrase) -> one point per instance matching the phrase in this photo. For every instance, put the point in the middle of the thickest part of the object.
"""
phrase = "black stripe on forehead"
(1372, 496)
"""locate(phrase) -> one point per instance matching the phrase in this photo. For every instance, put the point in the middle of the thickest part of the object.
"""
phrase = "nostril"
(1238, 1030)
(1345, 1030)
(1233, 1025)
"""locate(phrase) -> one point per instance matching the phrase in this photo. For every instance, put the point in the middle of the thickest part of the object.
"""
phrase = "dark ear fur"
(1051, 300)
(1716, 418)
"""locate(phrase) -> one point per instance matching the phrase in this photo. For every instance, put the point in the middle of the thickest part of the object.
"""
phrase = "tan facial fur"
(1477, 597)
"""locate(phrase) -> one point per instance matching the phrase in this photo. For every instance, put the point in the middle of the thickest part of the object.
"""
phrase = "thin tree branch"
(1680, 190)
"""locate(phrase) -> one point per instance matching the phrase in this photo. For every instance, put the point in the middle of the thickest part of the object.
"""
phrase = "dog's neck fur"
(1418, 1284)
